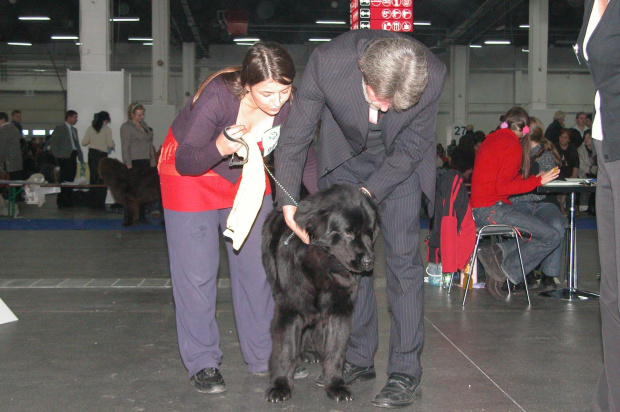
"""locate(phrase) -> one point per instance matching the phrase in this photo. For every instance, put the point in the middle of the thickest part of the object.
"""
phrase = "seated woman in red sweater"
(496, 177)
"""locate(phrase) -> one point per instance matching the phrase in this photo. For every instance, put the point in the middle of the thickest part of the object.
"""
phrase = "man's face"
(564, 139)
(17, 117)
(581, 120)
(72, 120)
(374, 101)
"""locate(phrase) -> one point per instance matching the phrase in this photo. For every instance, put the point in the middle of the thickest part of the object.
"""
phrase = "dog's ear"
(373, 216)
(313, 218)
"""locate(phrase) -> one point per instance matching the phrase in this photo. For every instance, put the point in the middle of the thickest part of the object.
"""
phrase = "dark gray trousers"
(400, 227)
(607, 393)
(193, 247)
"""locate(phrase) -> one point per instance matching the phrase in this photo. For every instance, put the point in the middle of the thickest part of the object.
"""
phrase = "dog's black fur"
(316, 285)
(130, 187)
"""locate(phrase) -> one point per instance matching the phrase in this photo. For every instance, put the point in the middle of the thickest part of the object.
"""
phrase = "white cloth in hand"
(249, 198)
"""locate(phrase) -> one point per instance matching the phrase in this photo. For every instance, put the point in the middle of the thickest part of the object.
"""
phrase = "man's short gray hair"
(396, 70)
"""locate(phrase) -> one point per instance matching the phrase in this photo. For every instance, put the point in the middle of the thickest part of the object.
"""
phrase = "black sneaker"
(399, 390)
(299, 373)
(547, 282)
(208, 380)
(352, 373)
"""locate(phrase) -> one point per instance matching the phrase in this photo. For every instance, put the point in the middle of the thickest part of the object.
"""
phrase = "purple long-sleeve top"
(197, 129)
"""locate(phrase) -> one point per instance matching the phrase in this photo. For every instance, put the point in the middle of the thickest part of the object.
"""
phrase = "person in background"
(198, 190)
(540, 155)
(64, 144)
(495, 178)
(98, 138)
(463, 155)
(569, 165)
(11, 159)
(581, 120)
(553, 131)
(598, 47)
(137, 144)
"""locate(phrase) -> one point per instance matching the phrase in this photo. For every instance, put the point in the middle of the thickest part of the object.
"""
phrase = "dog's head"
(345, 222)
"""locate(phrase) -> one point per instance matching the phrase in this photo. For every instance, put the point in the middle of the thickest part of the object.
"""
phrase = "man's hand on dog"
(289, 217)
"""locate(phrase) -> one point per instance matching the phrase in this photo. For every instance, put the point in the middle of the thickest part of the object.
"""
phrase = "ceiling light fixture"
(17, 43)
(497, 42)
(65, 37)
(421, 23)
(317, 39)
(125, 19)
(330, 22)
(524, 50)
(475, 46)
(524, 26)
(246, 39)
(147, 44)
(140, 39)
(241, 43)
(34, 18)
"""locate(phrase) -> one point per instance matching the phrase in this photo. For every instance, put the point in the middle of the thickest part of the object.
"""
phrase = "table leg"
(571, 292)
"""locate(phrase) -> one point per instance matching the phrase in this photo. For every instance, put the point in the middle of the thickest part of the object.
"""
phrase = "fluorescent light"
(125, 19)
(247, 39)
(36, 132)
(497, 42)
(25, 132)
(34, 18)
(147, 44)
(244, 44)
(330, 22)
(524, 26)
(39, 70)
(65, 37)
(17, 43)
(421, 23)
(318, 39)
(140, 39)
(475, 46)
(78, 44)
(524, 50)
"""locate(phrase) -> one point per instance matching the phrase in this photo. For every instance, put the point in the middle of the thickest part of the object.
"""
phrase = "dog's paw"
(339, 393)
(279, 391)
(310, 356)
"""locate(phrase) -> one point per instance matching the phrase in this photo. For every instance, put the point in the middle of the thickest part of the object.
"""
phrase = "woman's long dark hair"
(264, 60)
(516, 118)
(99, 119)
(536, 134)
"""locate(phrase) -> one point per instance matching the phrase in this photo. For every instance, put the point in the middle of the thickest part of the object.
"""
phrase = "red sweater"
(496, 170)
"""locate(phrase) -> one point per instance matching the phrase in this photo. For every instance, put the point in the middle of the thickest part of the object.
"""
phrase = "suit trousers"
(194, 251)
(400, 228)
(607, 393)
(68, 170)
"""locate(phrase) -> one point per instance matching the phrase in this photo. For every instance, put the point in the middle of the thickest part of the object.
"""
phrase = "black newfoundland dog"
(315, 285)
(130, 187)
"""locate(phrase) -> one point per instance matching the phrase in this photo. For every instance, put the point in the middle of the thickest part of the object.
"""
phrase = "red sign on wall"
(391, 15)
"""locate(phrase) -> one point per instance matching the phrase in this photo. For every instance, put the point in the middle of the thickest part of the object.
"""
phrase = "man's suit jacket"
(60, 142)
(603, 62)
(331, 91)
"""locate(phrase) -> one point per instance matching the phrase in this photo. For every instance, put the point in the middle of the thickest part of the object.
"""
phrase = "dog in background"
(131, 188)
(315, 285)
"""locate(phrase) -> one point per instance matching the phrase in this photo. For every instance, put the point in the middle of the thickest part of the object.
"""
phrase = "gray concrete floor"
(96, 332)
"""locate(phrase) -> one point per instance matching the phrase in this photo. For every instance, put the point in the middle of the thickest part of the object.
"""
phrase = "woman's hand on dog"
(289, 217)
(227, 147)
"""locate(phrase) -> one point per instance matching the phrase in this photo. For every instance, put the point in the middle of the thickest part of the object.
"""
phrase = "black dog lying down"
(315, 285)
(130, 187)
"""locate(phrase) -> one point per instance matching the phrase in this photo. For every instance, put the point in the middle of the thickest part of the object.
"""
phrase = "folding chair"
(495, 230)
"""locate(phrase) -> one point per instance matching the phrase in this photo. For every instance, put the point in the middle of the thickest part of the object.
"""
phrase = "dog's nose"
(366, 262)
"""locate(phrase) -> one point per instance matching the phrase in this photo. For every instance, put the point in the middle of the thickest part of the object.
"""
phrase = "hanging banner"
(390, 15)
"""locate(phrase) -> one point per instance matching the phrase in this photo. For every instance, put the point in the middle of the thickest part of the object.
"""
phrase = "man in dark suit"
(65, 145)
(599, 49)
(376, 95)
